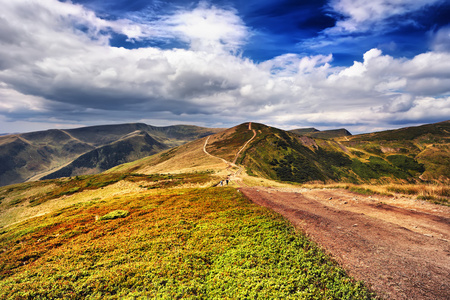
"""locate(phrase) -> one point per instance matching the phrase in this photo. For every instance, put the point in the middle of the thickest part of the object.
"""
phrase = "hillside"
(429, 145)
(285, 156)
(112, 236)
(87, 150)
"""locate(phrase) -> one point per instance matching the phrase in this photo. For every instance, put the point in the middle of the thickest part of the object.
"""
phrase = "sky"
(361, 65)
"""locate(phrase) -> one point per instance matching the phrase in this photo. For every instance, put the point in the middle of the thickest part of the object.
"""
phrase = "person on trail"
(226, 181)
(221, 183)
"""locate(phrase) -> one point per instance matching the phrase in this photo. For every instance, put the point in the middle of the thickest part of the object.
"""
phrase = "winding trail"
(230, 164)
(233, 163)
(245, 145)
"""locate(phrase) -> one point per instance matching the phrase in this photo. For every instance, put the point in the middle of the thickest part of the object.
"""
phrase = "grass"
(208, 243)
(69, 186)
(436, 193)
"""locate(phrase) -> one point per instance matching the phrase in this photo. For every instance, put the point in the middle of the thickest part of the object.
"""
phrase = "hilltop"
(88, 150)
(285, 156)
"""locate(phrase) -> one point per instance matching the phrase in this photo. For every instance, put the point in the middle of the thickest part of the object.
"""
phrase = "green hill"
(285, 156)
(429, 145)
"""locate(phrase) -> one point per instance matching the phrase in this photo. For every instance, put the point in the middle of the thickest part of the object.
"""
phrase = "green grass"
(176, 243)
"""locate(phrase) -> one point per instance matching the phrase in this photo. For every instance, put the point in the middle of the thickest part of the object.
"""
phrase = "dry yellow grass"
(189, 158)
(13, 214)
(436, 192)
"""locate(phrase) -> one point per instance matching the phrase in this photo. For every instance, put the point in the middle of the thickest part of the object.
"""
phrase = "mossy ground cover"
(208, 243)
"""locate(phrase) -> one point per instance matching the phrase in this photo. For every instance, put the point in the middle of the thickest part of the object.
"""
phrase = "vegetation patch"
(70, 186)
(178, 243)
(406, 163)
(115, 214)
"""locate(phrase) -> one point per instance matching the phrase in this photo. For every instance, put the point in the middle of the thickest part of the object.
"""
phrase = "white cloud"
(441, 40)
(52, 68)
(363, 15)
(208, 28)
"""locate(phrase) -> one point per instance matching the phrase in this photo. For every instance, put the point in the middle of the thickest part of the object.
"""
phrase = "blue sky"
(362, 65)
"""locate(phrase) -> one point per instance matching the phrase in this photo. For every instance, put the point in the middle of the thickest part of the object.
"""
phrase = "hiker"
(226, 181)
(221, 183)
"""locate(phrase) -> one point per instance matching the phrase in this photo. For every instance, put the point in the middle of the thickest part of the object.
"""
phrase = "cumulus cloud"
(361, 15)
(56, 63)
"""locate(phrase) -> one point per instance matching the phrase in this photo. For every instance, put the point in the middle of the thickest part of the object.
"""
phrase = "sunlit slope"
(112, 236)
(428, 144)
(192, 157)
(186, 158)
(280, 155)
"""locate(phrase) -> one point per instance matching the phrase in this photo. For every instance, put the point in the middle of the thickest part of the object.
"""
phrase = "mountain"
(286, 156)
(325, 134)
(304, 131)
(55, 153)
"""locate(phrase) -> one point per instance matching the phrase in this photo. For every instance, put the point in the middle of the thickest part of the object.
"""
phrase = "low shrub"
(115, 215)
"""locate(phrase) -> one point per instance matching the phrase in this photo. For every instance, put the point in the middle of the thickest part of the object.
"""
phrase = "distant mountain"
(285, 156)
(55, 153)
(325, 134)
(304, 131)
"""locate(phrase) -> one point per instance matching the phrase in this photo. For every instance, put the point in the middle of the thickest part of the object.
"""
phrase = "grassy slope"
(175, 242)
(279, 155)
(415, 154)
(427, 144)
(185, 158)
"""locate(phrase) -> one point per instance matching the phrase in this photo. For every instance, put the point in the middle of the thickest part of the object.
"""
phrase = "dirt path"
(235, 176)
(399, 247)
(245, 145)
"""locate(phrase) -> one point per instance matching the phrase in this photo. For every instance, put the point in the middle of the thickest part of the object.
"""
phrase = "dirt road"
(399, 247)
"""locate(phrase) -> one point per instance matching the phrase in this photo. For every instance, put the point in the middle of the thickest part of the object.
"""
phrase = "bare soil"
(399, 247)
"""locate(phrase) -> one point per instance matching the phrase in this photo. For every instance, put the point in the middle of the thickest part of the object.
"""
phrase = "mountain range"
(61, 153)
(302, 155)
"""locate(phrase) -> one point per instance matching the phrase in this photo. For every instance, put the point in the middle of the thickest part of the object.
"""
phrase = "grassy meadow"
(163, 239)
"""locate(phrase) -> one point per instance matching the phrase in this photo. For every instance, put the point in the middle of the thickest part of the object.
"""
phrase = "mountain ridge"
(27, 155)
